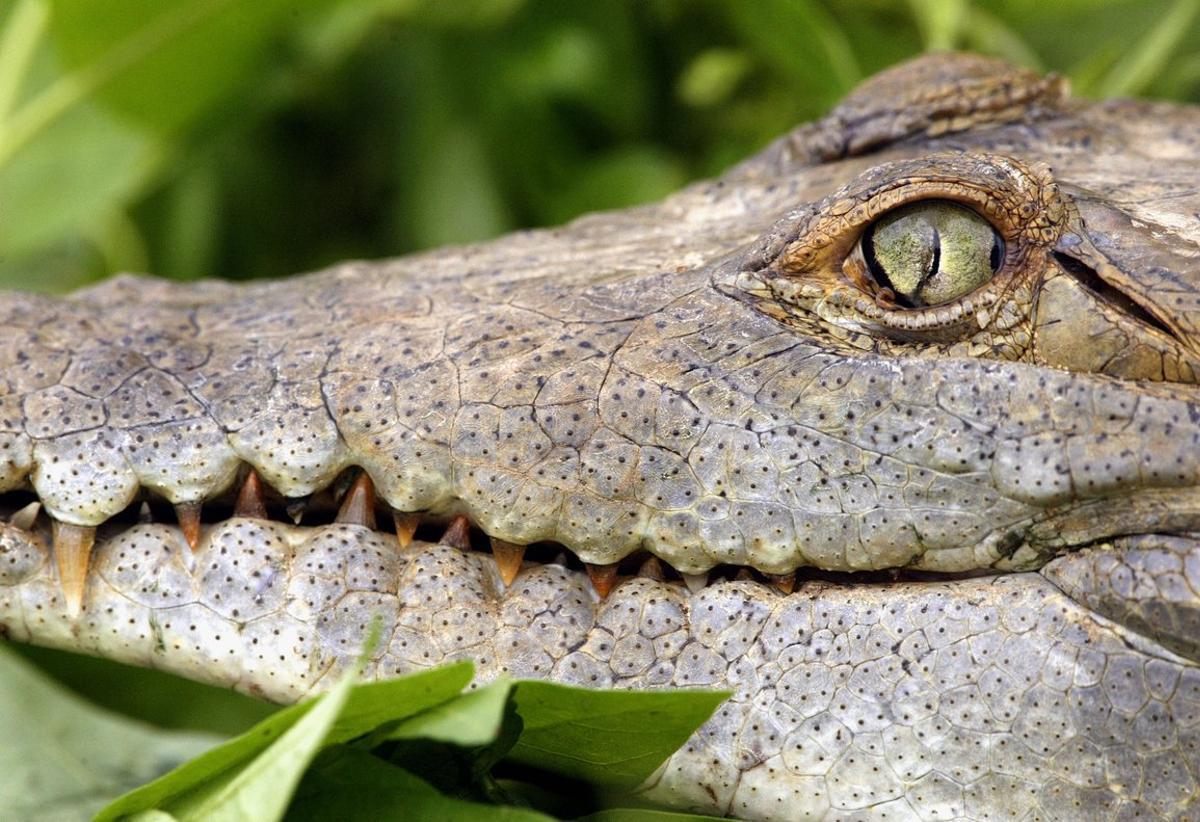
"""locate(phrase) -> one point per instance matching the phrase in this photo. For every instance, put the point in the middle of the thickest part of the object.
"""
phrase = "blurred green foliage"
(250, 138)
(253, 138)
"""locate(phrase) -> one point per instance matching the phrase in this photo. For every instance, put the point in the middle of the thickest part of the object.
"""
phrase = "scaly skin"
(717, 380)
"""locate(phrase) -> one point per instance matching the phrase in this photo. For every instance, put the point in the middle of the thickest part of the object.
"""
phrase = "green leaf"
(1144, 60)
(629, 176)
(77, 169)
(472, 719)
(87, 125)
(262, 789)
(164, 64)
(368, 706)
(455, 197)
(190, 223)
(19, 38)
(991, 35)
(350, 784)
(455, 745)
(941, 22)
(610, 738)
(63, 758)
(375, 703)
(824, 64)
(713, 76)
(152, 816)
(156, 697)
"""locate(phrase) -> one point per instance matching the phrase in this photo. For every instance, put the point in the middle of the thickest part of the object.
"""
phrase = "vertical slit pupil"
(877, 270)
(997, 254)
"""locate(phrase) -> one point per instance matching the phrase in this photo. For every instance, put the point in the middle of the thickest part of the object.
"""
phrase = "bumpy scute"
(710, 378)
(982, 698)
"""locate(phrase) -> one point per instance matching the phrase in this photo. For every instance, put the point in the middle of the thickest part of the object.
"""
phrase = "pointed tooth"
(695, 582)
(744, 575)
(406, 527)
(72, 553)
(358, 506)
(145, 515)
(784, 583)
(26, 517)
(508, 559)
(458, 533)
(604, 577)
(187, 514)
(652, 569)
(295, 508)
(251, 502)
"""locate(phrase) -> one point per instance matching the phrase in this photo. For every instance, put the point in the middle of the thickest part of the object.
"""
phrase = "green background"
(242, 139)
(256, 139)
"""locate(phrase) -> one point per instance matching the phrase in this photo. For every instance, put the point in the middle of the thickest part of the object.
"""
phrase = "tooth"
(250, 502)
(458, 533)
(604, 577)
(358, 506)
(784, 583)
(652, 569)
(744, 575)
(695, 582)
(406, 526)
(187, 514)
(145, 515)
(508, 559)
(26, 517)
(295, 508)
(72, 552)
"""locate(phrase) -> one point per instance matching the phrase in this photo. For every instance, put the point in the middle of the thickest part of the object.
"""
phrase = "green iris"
(932, 252)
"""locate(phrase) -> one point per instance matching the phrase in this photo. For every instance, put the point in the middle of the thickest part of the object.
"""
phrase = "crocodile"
(892, 430)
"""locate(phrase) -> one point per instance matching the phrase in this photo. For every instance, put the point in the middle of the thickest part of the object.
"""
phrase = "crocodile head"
(913, 391)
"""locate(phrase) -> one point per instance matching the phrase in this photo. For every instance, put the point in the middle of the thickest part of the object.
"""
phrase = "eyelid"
(810, 267)
(1021, 203)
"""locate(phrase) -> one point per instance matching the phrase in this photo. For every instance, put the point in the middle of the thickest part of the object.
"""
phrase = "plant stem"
(71, 89)
(18, 42)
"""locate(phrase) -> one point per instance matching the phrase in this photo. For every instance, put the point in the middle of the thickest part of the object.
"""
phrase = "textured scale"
(716, 380)
(986, 698)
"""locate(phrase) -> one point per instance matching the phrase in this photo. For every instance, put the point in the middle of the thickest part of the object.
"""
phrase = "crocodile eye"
(931, 252)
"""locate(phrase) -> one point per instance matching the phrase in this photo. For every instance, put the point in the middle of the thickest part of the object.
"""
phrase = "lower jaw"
(847, 695)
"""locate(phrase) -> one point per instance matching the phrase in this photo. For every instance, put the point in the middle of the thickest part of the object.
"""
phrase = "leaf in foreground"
(350, 784)
(262, 789)
(367, 706)
(441, 743)
(470, 720)
(614, 739)
(454, 746)
(62, 757)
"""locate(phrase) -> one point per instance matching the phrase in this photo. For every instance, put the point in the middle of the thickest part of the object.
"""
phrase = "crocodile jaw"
(967, 696)
(971, 696)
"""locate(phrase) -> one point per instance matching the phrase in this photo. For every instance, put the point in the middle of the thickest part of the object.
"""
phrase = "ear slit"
(1086, 276)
